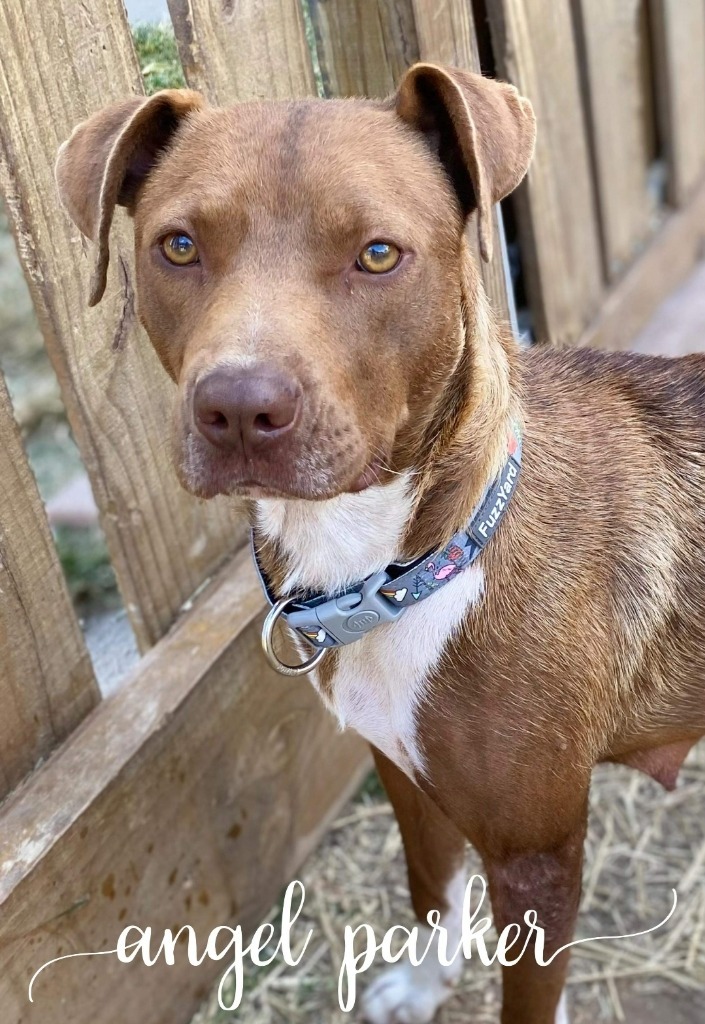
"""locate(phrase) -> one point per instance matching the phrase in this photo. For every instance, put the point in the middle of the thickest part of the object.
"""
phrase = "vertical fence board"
(243, 51)
(447, 35)
(364, 46)
(535, 50)
(613, 36)
(61, 61)
(679, 29)
(46, 680)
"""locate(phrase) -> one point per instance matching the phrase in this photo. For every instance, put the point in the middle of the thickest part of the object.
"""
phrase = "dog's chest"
(382, 682)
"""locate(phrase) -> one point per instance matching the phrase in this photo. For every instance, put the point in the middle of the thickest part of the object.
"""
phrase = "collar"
(326, 621)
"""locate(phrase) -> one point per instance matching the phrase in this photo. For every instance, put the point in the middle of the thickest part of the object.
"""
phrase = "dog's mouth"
(207, 472)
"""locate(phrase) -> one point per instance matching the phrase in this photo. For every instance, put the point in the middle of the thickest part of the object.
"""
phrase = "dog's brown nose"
(246, 408)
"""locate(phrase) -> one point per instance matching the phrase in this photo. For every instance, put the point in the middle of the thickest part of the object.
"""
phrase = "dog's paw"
(404, 994)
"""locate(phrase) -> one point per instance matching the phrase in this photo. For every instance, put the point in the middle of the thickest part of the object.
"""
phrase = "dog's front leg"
(548, 883)
(435, 857)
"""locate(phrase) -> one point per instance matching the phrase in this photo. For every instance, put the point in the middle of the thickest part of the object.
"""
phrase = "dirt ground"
(642, 844)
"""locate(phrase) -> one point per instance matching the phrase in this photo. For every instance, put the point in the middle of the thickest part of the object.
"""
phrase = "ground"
(642, 844)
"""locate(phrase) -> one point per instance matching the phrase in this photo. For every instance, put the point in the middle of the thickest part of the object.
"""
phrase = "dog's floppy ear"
(109, 156)
(482, 130)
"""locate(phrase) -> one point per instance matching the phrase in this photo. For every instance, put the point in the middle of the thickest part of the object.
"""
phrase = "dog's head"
(299, 265)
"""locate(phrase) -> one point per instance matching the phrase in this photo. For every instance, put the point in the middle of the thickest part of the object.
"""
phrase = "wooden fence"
(193, 794)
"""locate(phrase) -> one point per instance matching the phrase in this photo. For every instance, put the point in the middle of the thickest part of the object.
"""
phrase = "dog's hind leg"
(435, 856)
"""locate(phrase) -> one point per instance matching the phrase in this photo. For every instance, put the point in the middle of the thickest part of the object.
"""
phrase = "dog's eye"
(180, 249)
(379, 258)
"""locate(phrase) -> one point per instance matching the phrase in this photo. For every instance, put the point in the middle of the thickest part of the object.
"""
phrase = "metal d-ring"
(268, 648)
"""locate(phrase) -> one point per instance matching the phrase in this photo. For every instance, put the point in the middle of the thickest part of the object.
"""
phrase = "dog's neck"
(330, 545)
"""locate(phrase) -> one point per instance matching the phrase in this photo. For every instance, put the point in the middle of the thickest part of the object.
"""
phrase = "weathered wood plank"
(243, 51)
(667, 261)
(446, 34)
(679, 36)
(535, 50)
(613, 37)
(162, 542)
(364, 46)
(191, 796)
(46, 680)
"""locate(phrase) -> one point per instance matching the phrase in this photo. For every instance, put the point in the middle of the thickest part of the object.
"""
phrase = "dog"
(304, 275)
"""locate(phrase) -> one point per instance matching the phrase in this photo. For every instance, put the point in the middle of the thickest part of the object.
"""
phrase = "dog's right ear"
(482, 130)
(107, 159)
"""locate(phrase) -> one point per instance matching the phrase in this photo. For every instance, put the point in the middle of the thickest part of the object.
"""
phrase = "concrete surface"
(112, 647)
(677, 328)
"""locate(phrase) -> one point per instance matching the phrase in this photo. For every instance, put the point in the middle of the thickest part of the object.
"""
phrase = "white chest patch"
(382, 679)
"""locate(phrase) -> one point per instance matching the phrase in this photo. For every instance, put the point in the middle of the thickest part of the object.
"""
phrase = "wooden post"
(679, 36)
(364, 46)
(46, 680)
(61, 61)
(613, 36)
(243, 51)
(535, 49)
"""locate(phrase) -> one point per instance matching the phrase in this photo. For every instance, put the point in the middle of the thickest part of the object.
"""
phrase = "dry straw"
(642, 843)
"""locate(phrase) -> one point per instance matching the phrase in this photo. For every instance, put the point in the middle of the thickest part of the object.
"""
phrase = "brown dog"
(303, 275)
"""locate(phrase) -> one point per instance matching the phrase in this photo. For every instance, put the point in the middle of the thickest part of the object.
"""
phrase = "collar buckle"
(347, 617)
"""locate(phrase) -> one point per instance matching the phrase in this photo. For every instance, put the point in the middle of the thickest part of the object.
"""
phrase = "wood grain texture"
(679, 43)
(664, 265)
(446, 35)
(242, 51)
(613, 40)
(162, 542)
(364, 46)
(191, 796)
(535, 49)
(46, 680)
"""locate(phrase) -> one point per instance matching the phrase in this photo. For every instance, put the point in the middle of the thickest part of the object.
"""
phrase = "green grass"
(89, 574)
(158, 57)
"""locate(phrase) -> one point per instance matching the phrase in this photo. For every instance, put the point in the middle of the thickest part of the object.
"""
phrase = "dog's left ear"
(482, 130)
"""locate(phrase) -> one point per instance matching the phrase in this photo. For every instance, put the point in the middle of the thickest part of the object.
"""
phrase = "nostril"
(213, 418)
(263, 421)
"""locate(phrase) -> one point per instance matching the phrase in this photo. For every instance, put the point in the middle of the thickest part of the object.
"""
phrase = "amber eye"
(180, 249)
(379, 258)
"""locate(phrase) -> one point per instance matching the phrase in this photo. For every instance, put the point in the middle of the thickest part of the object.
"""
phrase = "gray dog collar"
(326, 622)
